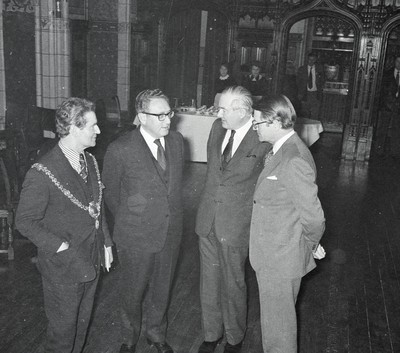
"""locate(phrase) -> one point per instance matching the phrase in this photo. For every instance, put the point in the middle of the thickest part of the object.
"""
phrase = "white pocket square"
(272, 177)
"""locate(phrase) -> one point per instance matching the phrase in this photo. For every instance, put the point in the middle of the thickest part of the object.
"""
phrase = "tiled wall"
(2, 74)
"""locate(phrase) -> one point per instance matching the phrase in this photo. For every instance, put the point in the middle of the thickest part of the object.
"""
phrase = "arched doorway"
(387, 113)
(334, 39)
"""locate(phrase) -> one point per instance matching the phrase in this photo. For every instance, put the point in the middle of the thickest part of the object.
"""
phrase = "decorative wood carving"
(18, 5)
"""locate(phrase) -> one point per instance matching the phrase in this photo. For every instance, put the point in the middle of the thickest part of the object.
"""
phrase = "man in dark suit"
(388, 129)
(310, 83)
(60, 212)
(235, 159)
(255, 82)
(143, 175)
(286, 225)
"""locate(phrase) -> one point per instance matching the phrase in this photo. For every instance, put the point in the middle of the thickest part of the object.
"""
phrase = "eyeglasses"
(162, 116)
(255, 125)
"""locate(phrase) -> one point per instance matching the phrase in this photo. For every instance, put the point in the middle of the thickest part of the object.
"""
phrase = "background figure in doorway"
(234, 161)
(143, 178)
(255, 82)
(286, 226)
(60, 210)
(224, 80)
(388, 129)
(310, 83)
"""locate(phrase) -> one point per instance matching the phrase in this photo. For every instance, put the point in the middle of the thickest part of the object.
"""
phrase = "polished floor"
(350, 303)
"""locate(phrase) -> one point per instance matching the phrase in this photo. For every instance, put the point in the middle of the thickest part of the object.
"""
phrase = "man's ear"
(142, 118)
(277, 124)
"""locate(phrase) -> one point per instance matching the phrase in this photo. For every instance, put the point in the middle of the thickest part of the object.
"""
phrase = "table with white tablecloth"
(195, 129)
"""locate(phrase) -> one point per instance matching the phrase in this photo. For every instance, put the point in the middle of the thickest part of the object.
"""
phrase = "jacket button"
(254, 201)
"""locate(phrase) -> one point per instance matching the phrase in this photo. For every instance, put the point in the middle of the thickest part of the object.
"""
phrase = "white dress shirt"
(278, 144)
(239, 135)
(314, 83)
(150, 142)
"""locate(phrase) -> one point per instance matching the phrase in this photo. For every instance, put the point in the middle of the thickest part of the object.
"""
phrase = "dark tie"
(268, 157)
(310, 79)
(83, 173)
(227, 154)
(162, 161)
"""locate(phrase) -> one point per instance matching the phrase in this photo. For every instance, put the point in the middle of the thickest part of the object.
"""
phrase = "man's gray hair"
(144, 98)
(241, 98)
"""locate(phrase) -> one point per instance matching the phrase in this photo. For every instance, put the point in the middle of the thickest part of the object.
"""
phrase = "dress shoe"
(162, 347)
(209, 346)
(233, 348)
(127, 349)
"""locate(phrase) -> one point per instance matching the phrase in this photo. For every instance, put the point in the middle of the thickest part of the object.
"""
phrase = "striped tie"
(268, 157)
(83, 173)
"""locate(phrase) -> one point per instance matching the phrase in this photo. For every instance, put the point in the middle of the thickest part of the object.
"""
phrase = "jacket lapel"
(68, 177)
(220, 135)
(247, 144)
(148, 158)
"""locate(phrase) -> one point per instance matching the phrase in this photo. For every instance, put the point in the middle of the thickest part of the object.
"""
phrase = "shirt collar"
(150, 139)
(242, 131)
(71, 155)
(278, 144)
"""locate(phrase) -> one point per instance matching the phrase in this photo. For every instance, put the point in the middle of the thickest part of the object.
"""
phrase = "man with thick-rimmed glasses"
(235, 159)
(142, 174)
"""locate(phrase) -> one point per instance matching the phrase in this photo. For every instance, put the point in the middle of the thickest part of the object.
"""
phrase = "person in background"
(234, 161)
(255, 82)
(310, 83)
(287, 224)
(143, 178)
(224, 80)
(61, 211)
(388, 129)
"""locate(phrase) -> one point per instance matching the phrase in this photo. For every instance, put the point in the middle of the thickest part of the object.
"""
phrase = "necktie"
(268, 157)
(227, 154)
(83, 173)
(162, 161)
(310, 79)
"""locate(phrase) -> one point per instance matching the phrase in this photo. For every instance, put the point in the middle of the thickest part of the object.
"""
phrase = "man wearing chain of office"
(60, 211)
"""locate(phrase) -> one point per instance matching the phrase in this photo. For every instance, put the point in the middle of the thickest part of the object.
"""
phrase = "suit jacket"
(227, 197)
(389, 101)
(48, 218)
(146, 205)
(302, 80)
(256, 88)
(288, 220)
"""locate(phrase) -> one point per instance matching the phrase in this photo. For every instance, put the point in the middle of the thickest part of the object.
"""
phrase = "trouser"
(68, 309)
(388, 132)
(278, 298)
(311, 106)
(223, 292)
(146, 280)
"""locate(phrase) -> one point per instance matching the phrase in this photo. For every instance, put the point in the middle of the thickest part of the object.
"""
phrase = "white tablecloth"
(308, 130)
(196, 128)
